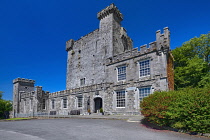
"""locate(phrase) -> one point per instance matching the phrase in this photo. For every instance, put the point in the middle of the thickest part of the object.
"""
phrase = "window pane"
(144, 68)
(79, 99)
(144, 92)
(120, 98)
(64, 102)
(121, 73)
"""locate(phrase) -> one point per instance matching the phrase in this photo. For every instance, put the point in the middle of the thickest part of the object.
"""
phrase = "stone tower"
(20, 84)
(87, 55)
(113, 37)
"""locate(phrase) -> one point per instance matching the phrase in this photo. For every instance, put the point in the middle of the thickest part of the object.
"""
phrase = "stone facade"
(103, 71)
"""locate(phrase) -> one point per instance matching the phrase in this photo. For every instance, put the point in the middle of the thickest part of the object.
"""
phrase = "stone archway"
(98, 103)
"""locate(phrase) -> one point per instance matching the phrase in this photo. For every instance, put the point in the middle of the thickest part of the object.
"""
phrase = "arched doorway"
(98, 103)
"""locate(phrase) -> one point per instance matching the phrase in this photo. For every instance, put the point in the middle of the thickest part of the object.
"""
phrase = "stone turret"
(20, 85)
(69, 45)
(113, 37)
(163, 40)
(112, 9)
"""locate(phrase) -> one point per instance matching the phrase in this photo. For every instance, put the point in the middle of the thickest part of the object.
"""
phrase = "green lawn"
(17, 119)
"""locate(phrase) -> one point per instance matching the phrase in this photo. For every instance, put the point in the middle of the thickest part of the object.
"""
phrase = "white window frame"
(65, 98)
(146, 68)
(143, 92)
(79, 101)
(121, 72)
(120, 99)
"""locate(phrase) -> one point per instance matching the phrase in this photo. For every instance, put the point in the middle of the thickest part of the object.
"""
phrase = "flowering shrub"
(187, 109)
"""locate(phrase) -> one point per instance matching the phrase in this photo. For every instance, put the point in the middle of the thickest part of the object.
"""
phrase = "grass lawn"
(17, 119)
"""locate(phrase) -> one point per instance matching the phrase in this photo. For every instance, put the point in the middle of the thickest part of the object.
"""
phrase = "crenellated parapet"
(70, 43)
(23, 80)
(163, 40)
(162, 44)
(88, 35)
(129, 55)
(84, 89)
(108, 10)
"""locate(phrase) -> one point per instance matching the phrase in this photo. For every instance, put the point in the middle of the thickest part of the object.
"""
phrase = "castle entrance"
(98, 104)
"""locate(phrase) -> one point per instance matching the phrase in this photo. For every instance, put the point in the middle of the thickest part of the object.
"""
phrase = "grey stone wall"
(87, 56)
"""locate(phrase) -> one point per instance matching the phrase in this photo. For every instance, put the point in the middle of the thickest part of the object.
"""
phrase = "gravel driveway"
(85, 129)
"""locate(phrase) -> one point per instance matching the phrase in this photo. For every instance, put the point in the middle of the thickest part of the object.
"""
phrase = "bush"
(101, 110)
(187, 109)
(5, 107)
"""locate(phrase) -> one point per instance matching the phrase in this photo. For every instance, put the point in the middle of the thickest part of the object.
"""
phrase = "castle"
(103, 71)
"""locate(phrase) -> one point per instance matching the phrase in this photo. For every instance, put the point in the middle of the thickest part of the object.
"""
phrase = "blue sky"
(33, 33)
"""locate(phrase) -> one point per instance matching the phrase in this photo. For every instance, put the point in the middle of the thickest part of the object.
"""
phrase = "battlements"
(129, 55)
(163, 40)
(89, 34)
(23, 80)
(85, 89)
(108, 10)
(161, 44)
(70, 43)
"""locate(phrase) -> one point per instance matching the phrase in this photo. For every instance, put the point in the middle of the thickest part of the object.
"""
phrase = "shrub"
(187, 109)
(101, 110)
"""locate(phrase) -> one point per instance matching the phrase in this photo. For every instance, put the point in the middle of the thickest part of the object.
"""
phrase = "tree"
(192, 63)
(1, 95)
(5, 107)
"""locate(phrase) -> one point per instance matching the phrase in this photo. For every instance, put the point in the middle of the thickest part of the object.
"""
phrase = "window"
(82, 81)
(79, 101)
(144, 68)
(121, 73)
(53, 103)
(120, 98)
(65, 102)
(144, 92)
(43, 104)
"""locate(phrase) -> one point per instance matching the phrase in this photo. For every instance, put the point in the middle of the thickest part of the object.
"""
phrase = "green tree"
(1, 95)
(5, 107)
(192, 62)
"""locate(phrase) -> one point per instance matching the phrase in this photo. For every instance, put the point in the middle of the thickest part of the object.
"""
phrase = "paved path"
(85, 129)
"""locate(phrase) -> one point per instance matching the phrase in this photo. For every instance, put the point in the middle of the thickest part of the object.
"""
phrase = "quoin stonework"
(103, 71)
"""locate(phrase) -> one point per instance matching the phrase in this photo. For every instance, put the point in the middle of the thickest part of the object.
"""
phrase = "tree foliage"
(5, 107)
(1, 95)
(192, 62)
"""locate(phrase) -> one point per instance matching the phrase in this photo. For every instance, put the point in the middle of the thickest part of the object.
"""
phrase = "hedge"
(187, 109)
